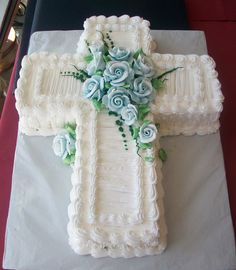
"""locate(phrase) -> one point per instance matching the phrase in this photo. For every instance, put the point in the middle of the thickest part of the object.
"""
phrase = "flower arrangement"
(64, 144)
(124, 83)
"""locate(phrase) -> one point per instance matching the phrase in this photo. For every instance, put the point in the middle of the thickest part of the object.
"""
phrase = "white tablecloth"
(196, 200)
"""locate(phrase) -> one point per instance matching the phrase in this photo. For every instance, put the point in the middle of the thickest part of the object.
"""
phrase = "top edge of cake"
(130, 32)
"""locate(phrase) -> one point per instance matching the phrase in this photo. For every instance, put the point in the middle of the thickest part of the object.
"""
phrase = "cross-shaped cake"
(116, 204)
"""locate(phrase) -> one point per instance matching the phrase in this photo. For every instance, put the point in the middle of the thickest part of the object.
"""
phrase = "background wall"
(217, 18)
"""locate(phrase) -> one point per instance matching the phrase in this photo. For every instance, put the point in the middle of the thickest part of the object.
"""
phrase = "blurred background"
(12, 15)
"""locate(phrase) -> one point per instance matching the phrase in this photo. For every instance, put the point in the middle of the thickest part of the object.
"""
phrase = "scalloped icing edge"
(204, 67)
(135, 24)
(93, 241)
(40, 119)
(123, 19)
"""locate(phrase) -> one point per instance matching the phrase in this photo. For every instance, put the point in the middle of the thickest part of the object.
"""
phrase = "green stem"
(87, 43)
(76, 67)
(103, 39)
(138, 148)
(168, 71)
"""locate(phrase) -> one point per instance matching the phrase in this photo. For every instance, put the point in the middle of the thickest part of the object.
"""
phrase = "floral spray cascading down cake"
(124, 83)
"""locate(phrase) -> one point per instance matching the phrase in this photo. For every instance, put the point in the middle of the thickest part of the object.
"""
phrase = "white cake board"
(196, 201)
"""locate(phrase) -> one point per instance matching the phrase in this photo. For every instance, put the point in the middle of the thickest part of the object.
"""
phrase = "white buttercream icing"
(133, 212)
(125, 31)
(190, 103)
(192, 100)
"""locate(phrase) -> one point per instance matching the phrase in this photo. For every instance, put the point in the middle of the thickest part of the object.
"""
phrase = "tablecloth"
(196, 200)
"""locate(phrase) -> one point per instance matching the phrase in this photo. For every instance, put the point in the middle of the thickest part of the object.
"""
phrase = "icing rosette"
(118, 73)
(116, 99)
(94, 87)
(143, 66)
(129, 114)
(119, 54)
(147, 132)
(96, 47)
(96, 64)
(142, 92)
(63, 145)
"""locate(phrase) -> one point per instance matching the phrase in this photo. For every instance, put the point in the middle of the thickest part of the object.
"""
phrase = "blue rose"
(116, 99)
(129, 114)
(147, 133)
(97, 47)
(94, 87)
(63, 145)
(96, 64)
(118, 73)
(119, 54)
(142, 91)
(144, 66)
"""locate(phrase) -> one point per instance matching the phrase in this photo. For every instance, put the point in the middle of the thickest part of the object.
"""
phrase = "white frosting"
(116, 204)
(190, 103)
(113, 213)
(129, 32)
(43, 95)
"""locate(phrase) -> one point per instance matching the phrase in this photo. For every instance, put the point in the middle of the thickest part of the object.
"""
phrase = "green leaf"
(72, 158)
(88, 58)
(147, 122)
(143, 110)
(70, 125)
(126, 86)
(66, 160)
(72, 151)
(167, 72)
(149, 159)
(162, 154)
(145, 146)
(106, 58)
(137, 53)
(107, 85)
(70, 128)
(134, 133)
(99, 72)
(84, 73)
(112, 113)
(69, 159)
(97, 104)
(157, 125)
(157, 83)
(106, 51)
